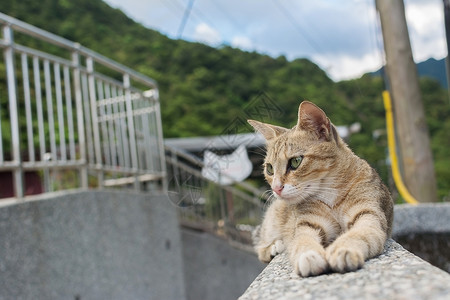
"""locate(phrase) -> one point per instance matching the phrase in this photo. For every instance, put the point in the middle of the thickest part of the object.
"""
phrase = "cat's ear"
(267, 130)
(312, 118)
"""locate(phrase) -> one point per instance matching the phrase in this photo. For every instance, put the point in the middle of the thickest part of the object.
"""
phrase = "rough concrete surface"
(214, 269)
(91, 245)
(114, 245)
(422, 218)
(395, 274)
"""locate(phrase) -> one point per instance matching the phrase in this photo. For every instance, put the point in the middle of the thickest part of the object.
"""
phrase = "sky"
(343, 37)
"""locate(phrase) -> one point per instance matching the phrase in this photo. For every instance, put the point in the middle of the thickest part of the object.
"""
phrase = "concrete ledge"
(395, 274)
(422, 218)
(91, 245)
(213, 269)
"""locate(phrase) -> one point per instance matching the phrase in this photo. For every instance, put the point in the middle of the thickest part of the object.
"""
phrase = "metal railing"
(230, 211)
(59, 113)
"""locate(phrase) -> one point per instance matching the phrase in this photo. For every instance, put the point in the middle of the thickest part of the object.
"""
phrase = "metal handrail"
(62, 42)
(76, 117)
(253, 195)
(230, 211)
(199, 163)
(117, 138)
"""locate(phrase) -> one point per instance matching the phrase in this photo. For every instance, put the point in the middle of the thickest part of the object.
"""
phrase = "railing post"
(80, 118)
(160, 141)
(94, 118)
(175, 169)
(131, 132)
(126, 111)
(13, 113)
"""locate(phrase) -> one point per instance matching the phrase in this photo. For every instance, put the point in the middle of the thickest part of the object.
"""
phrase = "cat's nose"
(278, 189)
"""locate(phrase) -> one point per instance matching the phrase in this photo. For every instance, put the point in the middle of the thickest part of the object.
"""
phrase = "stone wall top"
(395, 274)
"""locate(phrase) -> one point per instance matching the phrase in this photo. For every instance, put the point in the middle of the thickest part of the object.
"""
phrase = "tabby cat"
(331, 209)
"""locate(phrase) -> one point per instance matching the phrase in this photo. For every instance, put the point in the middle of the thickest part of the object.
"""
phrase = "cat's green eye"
(269, 169)
(295, 162)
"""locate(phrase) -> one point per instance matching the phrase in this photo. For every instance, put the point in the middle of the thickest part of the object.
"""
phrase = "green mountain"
(201, 87)
(209, 91)
(434, 69)
(431, 68)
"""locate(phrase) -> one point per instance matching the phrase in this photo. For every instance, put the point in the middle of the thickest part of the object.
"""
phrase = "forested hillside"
(203, 89)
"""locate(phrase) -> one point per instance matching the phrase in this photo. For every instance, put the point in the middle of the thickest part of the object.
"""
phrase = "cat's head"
(299, 161)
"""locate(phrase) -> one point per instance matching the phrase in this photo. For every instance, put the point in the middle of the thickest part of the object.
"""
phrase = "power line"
(232, 20)
(199, 15)
(185, 18)
(293, 21)
(176, 4)
(194, 12)
(170, 8)
(380, 47)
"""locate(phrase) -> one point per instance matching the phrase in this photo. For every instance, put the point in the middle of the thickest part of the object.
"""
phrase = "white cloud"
(426, 29)
(344, 66)
(424, 18)
(242, 42)
(204, 33)
(343, 33)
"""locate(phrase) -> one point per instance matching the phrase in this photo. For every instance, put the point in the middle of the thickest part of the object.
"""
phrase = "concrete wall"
(91, 245)
(422, 218)
(214, 269)
(114, 245)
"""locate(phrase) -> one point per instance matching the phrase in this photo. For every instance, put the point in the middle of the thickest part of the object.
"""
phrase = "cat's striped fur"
(330, 211)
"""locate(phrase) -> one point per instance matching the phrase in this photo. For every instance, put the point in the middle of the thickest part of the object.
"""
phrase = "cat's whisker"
(312, 191)
(270, 199)
(257, 153)
(261, 148)
(320, 191)
(266, 193)
(323, 191)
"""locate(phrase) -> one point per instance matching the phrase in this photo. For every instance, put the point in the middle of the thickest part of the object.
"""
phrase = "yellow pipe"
(393, 153)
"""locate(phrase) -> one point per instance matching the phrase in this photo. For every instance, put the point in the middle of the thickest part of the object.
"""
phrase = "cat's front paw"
(310, 263)
(267, 253)
(343, 259)
(277, 248)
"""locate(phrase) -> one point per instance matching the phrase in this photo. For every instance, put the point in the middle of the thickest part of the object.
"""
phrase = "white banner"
(227, 169)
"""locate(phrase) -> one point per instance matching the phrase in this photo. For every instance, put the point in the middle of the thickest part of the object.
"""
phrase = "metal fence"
(230, 211)
(75, 117)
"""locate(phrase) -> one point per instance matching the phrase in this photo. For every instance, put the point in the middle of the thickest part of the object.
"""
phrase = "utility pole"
(447, 35)
(411, 127)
